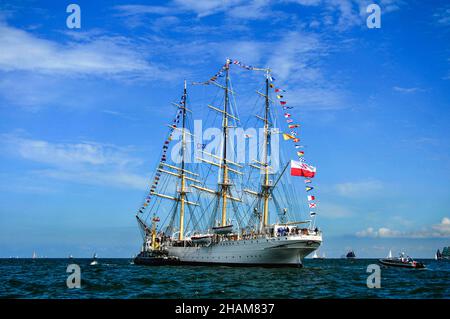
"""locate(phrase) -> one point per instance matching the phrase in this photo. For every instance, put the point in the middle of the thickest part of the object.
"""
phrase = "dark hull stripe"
(151, 262)
(399, 265)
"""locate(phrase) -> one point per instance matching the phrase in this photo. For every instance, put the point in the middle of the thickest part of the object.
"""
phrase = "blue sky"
(82, 113)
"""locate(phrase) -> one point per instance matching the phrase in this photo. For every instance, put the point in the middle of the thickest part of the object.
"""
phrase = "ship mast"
(223, 192)
(183, 175)
(266, 185)
(225, 184)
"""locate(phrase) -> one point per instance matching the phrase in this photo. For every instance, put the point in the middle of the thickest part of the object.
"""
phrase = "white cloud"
(369, 232)
(405, 90)
(382, 232)
(256, 9)
(358, 189)
(205, 8)
(82, 162)
(441, 230)
(111, 178)
(307, 2)
(202, 8)
(295, 56)
(443, 227)
(442, 16)
(320, 98)
(66, 154)
(101, 55)
(348, 13)
(135, 9)
(331, 210)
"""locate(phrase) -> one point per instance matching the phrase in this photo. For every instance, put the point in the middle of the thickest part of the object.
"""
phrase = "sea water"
(119, 278)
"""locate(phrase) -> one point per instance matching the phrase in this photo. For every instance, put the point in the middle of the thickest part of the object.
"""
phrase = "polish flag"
(302, 169)
(312, 205)
(310, 198)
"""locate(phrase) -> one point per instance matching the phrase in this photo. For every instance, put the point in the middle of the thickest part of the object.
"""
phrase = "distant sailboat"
(315, 256)
(445, 253)
(390, 254)
(350, 254)
(94, 260)
(34, 255)
(70, 256)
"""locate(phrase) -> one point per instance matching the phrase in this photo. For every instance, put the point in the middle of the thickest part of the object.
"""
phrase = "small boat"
(94, 260)
(202, 239)
(34, 255)
(438, 255)
(401, 261)
(154, 254)
(315, 256)
(156, 258)
(221, 230)
(70, 256)
(350, 254)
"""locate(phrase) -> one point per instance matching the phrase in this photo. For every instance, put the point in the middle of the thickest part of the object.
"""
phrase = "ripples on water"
(118, 278)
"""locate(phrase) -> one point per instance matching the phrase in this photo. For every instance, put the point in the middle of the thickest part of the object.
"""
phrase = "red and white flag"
(310, 198)
(312, 205)
(302, 169)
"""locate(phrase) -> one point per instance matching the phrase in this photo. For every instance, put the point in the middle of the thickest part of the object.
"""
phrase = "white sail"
(390, 254)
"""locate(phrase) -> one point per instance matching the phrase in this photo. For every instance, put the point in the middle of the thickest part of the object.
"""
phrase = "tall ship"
(444, 255)
(350, 254)
(234, 200)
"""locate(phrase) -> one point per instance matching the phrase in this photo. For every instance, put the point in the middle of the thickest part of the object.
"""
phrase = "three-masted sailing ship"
(207, 207)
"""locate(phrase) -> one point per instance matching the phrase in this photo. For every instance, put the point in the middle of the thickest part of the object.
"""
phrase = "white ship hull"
(276, 251)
